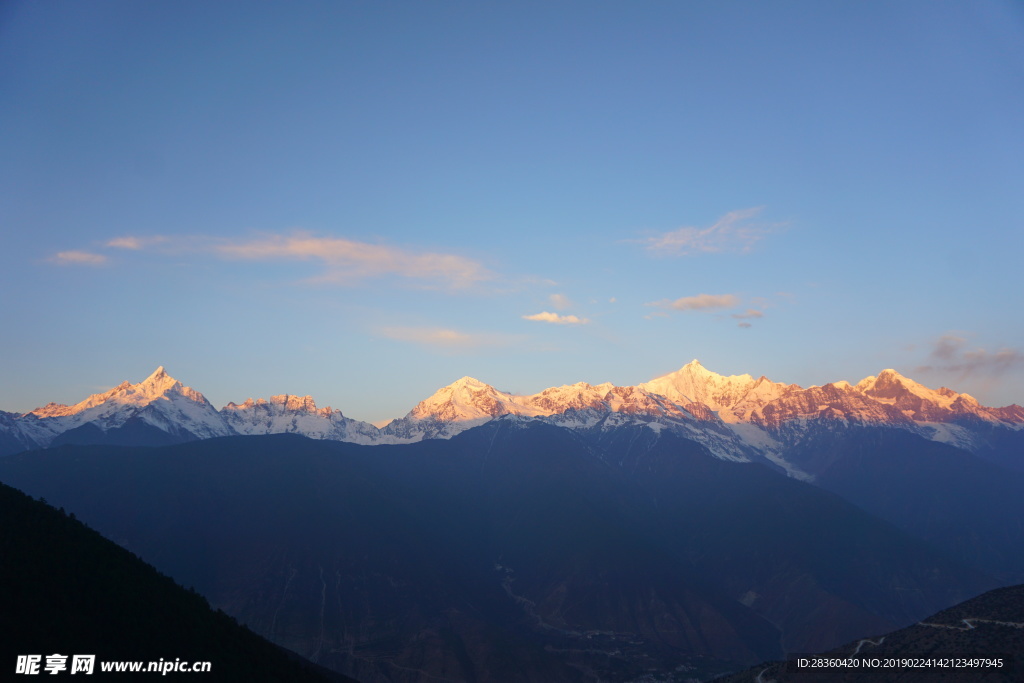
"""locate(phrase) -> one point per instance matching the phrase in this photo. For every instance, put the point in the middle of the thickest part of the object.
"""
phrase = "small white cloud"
(701, 302)
(82, 258)
(612, 300)
(546, 317)
(733, 232)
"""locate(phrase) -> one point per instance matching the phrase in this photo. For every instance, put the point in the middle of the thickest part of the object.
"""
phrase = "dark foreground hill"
(980, 640)
(65, 589)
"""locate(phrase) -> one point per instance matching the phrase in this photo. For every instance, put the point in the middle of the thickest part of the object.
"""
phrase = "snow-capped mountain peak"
(463, 400)
(159, 401)
(732, 397)
(920, 402)
(287, 402)
(62, 410)
(288, 413)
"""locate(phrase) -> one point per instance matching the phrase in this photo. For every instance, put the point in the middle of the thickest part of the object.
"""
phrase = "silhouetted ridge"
(989, 626)
(68, 590)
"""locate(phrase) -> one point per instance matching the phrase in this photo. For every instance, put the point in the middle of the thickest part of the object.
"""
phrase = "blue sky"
(366, 201)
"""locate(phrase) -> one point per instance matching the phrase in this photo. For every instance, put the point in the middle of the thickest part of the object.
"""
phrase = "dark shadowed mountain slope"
(969, 507)
(483, 558)
(816, 566)
(68, 590)
(981, 639)
(513, 551)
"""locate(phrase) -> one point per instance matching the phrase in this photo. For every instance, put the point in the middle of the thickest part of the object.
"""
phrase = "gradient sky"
(365, 201)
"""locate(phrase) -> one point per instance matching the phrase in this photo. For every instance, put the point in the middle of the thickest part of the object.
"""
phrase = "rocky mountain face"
(736, 417)
(287, 414)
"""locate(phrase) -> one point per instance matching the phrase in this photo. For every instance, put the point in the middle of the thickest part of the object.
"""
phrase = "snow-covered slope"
(469, 402)
(159, 401)
(733, 398)
(285, 414)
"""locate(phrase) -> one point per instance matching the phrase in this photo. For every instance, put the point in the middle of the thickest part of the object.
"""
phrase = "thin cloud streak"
(731, 233)
(443, 338)
(701, 302)
(344, 261)
(348, 260)
(751, 313)
(135, 243)
(547, 317)
(78, 258)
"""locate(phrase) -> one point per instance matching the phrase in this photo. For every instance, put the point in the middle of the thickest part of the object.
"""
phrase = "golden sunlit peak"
(468, 381)
(694, 366)
(159, 373)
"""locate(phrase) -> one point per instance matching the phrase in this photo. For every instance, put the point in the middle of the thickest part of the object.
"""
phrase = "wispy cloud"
(560, 302)
(733, 232)
(349, 260)
(750, 313)
(136, 243)
(78, 258)
(950, 353)
(546, 317)
(701, 302)
(343, 261)
(744, 325)
(443, 338)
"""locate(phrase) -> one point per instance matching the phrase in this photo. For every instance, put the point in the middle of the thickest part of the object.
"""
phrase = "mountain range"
(684, 527)
(736, 417)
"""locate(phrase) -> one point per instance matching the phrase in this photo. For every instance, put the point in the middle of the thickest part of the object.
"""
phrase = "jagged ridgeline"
(68, 590)
(736, 417)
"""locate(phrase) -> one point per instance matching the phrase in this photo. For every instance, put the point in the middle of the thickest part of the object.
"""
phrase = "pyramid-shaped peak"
(157, 375)
(465, 399)
(886, 378)
(698, 372)
(463, 388)
(890, 377)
